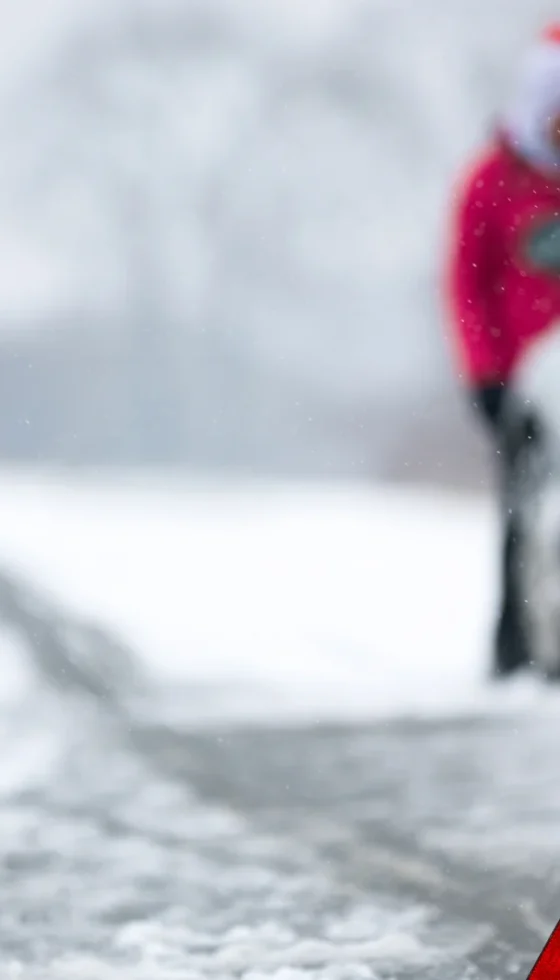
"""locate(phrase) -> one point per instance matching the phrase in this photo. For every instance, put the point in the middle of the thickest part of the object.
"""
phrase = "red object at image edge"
(547, 966)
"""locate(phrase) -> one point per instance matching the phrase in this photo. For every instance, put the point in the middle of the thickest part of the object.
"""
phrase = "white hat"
(536, 100)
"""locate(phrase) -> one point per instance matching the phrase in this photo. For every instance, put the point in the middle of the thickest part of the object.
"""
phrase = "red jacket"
(499, 291)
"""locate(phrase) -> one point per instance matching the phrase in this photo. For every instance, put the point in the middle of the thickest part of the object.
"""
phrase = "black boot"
(511, 653)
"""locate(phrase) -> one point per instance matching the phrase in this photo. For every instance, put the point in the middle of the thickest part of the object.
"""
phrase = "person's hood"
(535, 102)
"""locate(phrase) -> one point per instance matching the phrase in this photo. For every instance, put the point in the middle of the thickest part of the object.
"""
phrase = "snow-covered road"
(300, 774)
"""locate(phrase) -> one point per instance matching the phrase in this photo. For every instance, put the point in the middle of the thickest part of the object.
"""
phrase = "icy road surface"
(286, 808)
(398, 850)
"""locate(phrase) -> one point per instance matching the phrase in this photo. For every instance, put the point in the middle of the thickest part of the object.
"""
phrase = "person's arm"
(472, 264)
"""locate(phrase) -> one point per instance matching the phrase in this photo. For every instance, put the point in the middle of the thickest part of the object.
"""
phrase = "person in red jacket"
(503, 281)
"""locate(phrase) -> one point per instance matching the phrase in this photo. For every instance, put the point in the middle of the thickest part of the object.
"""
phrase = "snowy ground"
(304, 776)
(281, 601)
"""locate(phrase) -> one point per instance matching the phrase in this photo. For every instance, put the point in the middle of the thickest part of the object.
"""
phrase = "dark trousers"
(511, 648)
(515, 449)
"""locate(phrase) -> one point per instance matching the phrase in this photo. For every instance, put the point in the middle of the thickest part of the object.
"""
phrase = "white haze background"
(221, 229)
